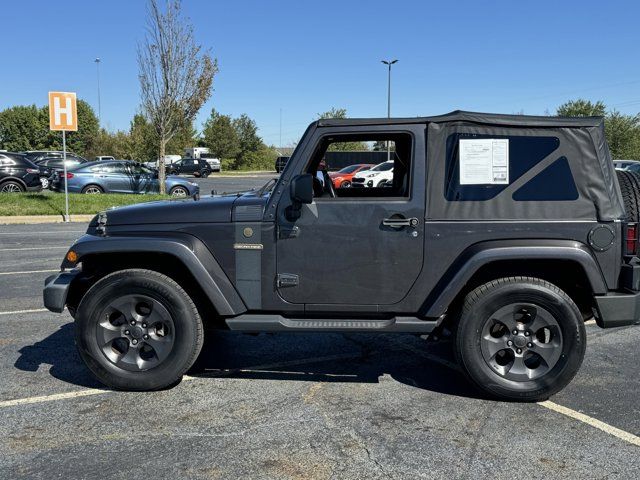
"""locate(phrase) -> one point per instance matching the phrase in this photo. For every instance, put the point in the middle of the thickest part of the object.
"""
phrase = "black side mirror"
(301, 189)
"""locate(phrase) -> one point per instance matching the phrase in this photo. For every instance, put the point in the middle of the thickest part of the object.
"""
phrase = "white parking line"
(29, 248)
(593, 422)
(17, 312)
(217, 373)
(41, 233)
(29, 271)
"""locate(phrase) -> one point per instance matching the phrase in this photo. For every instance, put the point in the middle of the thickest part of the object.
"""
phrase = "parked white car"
(375, 177)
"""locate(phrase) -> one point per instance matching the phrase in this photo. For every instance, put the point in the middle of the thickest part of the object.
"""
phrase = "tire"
(205, 174)
(381, 183)
(118, 355)
(519, 371)
(179, 191)
(92, 190)
(11, 186)
(345, 184)
(44, 181)
(630, 188)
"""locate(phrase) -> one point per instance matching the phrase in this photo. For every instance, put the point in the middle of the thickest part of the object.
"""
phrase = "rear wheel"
(138, 330)
(92, 190)
(520, 338)
(11, 187)
(45, 182)
(179, 192)
(345, 184)
(205, 173)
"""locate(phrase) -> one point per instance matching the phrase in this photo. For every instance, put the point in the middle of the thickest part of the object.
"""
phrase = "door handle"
(398, 222)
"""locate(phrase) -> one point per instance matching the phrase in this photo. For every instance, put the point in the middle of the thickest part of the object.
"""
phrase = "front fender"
(481, 254)
(193, 254)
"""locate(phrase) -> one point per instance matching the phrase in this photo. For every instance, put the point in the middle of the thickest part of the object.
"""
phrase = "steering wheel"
(329, 183)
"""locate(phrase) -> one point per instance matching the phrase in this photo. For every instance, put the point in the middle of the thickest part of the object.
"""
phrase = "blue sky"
(306, 57)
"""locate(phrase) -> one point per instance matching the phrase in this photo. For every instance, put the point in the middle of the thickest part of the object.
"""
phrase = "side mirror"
(301, 189)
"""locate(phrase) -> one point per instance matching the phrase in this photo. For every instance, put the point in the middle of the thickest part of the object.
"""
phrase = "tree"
(341, 146)
(80, 142)
(581, 108)
(23, 128)
(175, 74)
(220, 136)
(248, 139)
(623, 135)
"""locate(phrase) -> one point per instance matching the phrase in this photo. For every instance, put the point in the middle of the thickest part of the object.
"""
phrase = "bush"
(262, 159)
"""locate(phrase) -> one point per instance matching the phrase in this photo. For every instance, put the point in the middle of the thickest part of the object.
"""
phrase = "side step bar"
(277, 323)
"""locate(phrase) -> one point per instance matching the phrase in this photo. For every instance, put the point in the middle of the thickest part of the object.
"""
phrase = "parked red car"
(342, 178)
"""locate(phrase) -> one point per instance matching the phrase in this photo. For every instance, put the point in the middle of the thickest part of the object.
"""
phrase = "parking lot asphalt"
(292, 405)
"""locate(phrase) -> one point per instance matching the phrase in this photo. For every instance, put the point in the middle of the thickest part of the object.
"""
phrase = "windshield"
(383, 167)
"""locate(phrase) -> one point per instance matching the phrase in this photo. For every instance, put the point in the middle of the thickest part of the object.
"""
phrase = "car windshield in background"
(382, 167)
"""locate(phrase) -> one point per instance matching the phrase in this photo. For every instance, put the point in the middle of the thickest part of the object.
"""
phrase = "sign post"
(63, 105)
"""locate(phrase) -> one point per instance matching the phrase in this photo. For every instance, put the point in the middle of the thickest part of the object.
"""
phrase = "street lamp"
(97, 61)
(388, 63)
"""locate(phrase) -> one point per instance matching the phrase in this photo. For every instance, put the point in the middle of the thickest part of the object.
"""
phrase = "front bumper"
(617, 309)
(56, 289)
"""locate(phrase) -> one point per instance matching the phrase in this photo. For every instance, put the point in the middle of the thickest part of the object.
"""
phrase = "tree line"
(234, 140)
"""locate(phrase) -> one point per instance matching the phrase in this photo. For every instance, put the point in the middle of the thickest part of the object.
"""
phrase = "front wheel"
(520, 338)
(138, 330)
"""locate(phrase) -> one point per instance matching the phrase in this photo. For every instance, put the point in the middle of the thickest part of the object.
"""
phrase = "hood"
(212, 209)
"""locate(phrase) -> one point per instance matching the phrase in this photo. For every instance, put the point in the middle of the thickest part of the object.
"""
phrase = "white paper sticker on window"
(484, 161)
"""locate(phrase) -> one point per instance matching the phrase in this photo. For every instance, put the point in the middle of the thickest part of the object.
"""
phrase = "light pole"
(388, 63)
(97, 60)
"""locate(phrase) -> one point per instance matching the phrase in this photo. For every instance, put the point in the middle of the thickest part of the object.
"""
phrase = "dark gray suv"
(508, 231)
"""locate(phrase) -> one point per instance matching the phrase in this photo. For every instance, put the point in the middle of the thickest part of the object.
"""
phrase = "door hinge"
(288, 232)
(287, 280)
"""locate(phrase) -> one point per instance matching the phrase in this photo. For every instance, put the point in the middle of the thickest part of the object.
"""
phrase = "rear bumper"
(618, 309)
(56, 289)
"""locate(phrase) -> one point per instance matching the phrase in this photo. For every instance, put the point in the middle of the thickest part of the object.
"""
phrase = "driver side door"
(345, 251)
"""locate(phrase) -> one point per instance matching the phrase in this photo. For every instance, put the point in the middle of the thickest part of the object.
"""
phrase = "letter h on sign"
(63, 113)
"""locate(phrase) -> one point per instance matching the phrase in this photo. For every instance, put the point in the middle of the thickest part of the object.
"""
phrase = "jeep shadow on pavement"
(507, 230)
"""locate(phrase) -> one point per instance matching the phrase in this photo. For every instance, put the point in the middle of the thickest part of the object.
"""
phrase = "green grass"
(50, 203)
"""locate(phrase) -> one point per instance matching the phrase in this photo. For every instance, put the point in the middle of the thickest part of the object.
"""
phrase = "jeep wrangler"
(508, 231)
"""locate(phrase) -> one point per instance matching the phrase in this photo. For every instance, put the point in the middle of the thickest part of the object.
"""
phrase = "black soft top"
(473, 117)
(579, 147)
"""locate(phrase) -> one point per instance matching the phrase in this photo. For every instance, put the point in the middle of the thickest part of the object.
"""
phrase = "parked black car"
(50, 165)
(38, 155)
(197, 167)
(281, 162)
(17, 174)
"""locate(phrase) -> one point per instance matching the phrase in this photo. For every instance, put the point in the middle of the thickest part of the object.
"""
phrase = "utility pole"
(388, 63)
(97, 61)
(280, 145)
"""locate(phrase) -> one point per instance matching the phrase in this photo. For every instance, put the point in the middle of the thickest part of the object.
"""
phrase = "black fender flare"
(483, 253)
(189, 250)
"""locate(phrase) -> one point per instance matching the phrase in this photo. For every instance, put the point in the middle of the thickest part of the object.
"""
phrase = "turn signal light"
(72, 256)
(631, 239)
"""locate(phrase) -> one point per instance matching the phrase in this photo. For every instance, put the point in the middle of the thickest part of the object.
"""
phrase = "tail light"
(69, 175)
(33, 170)
(631, 239)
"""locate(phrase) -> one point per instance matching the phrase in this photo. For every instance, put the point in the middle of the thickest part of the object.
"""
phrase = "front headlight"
(371, 175)
(193, 184)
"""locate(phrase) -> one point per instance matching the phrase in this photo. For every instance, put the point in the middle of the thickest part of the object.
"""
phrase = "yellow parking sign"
(63, 112)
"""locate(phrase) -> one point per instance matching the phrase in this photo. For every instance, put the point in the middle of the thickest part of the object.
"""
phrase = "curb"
(34, 219)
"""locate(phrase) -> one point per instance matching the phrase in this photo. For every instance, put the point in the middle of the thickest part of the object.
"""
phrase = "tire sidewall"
(566, 313)
(183, 313)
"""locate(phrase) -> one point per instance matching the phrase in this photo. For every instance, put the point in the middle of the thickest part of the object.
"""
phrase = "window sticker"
(484, 161)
